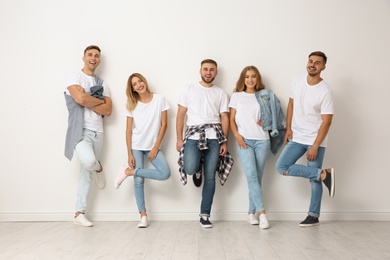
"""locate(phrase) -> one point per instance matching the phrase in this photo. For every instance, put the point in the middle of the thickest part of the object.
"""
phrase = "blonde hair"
(240, 85)
(133, 96)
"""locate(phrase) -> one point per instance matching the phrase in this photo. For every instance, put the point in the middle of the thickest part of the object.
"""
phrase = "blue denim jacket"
(272, 117)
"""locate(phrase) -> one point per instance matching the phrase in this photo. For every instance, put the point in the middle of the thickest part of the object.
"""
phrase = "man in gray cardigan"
(86, 107)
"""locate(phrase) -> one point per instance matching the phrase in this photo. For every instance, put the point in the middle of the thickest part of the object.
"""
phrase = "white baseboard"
(188, 216)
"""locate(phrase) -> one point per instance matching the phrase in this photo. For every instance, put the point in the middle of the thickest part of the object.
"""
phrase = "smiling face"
(91, 60)
(138, 85)
(250, 81)
(208, 72)
(315, 65)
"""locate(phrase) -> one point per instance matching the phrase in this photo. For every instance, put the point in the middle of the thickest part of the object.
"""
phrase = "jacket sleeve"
(274, 114)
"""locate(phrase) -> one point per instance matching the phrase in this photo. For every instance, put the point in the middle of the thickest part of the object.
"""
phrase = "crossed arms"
(100, 106)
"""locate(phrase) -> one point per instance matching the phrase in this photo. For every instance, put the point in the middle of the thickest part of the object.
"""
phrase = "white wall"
(42, 41)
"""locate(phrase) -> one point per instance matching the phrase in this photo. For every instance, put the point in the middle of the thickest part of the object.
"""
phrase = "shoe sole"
(143, 226)
(309, 225)
(253, 223)
(206, 226)
(79, 224)
(262, 227)
(332, 187)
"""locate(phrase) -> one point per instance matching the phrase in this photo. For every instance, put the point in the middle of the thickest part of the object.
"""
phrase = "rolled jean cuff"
(319, 174)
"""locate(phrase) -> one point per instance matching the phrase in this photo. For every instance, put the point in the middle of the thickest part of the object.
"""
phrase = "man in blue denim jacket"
(309, 116)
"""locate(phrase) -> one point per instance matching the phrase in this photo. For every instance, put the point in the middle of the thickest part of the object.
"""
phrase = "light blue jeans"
(253, 161)
(88, 151)
(191, 158)
(160, 173)
(286, 164)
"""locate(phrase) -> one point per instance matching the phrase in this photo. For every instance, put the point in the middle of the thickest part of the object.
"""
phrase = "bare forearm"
(129, 142)
(225, 123)
(233, 125)
(129, 135)
(104, 109)
(289, 114)
(322, 133)
(163, 129)
(82, 98)
(160, 136)
(180, 124)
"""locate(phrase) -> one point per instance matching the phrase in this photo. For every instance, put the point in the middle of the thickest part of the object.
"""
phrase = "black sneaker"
(197, 178)
(205, 222)
(329, 181)
(309, 221)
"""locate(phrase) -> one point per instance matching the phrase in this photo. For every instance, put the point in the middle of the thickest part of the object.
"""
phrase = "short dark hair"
(209, 61)
(92, 47)
(319, 53)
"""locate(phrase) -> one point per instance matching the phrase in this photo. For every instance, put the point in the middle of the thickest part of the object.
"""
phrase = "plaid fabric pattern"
(225, 162)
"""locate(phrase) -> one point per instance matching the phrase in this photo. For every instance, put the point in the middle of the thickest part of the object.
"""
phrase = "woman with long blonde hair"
(147, 117)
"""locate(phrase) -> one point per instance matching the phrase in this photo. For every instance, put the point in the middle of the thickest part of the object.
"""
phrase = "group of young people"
(203, 120)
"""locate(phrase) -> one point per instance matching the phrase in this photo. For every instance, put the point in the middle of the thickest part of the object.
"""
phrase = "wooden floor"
(186, 240)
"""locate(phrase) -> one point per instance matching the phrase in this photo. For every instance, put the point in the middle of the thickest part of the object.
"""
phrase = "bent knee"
(89, 165)
(282, 170)
(138, 181)
(166, 175)
(190, 170)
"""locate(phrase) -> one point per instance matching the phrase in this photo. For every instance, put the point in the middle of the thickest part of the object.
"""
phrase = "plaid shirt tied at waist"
(225, 162)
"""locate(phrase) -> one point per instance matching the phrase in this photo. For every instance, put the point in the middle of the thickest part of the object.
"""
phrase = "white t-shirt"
(204, 106)
(247, 115)
(92, 120)
(310, 102)
(147, 122)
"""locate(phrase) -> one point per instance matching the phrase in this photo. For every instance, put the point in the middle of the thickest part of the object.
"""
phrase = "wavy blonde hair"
(133, 96)
(240, 85)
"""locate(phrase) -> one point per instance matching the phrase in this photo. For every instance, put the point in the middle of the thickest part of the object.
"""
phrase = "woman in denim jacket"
(253, 139)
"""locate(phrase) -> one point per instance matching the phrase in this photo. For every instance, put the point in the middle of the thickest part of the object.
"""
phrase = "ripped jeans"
(160, 173)
(286, 165)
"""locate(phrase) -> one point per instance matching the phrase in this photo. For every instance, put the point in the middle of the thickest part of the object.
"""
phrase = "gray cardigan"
(74, 134)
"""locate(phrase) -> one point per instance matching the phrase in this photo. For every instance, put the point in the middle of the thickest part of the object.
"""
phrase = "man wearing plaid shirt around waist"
(205, 141)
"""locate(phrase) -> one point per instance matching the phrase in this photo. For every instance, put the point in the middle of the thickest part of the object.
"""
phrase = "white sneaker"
(144, 222)
(264, 222)
(120, 177)
(100, 179)
(81, 220)
(252, 219)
